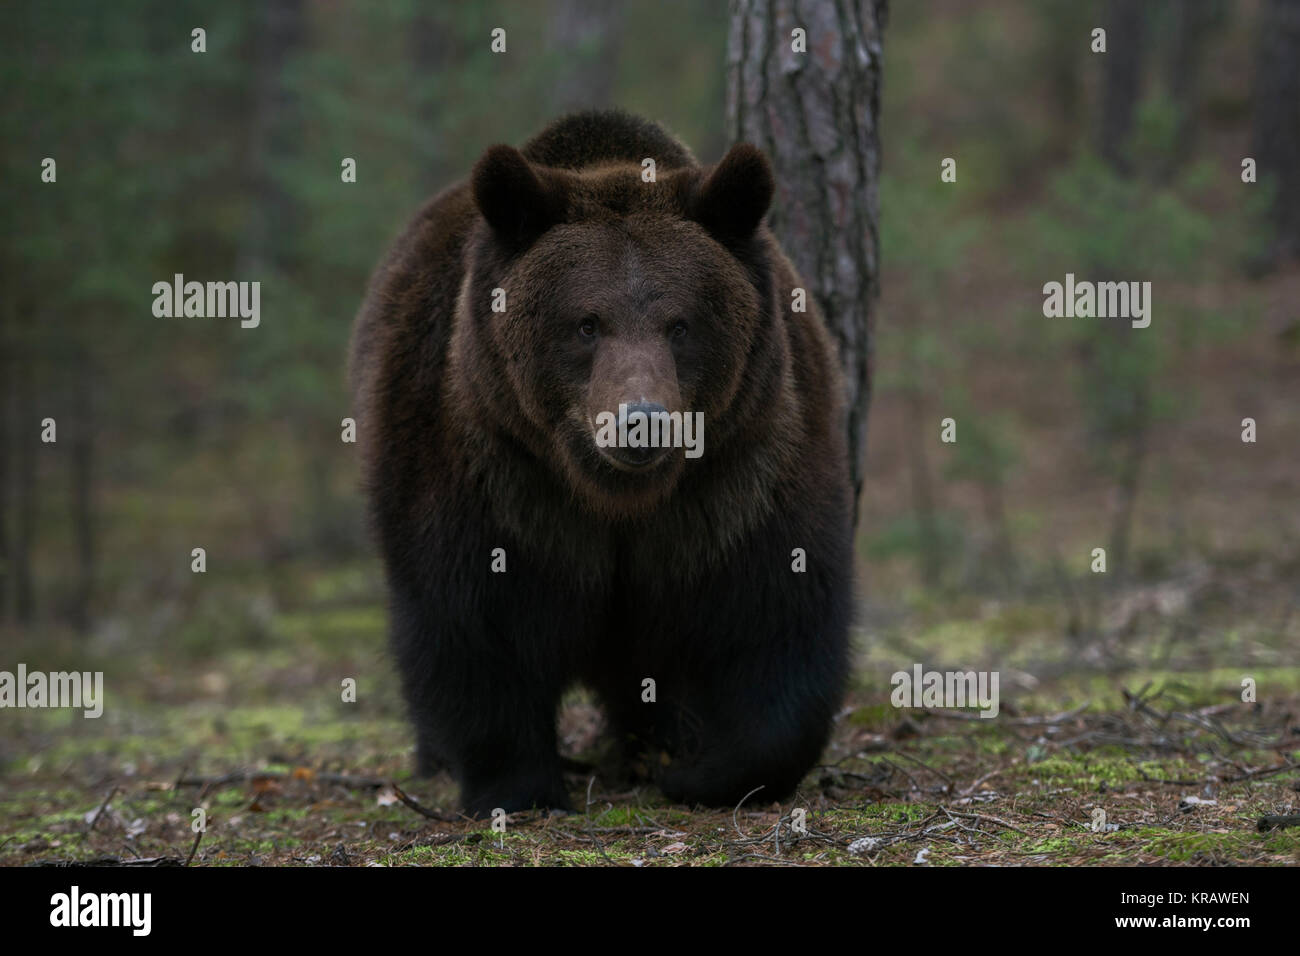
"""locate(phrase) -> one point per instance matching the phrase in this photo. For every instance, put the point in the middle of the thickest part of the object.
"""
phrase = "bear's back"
(597, 137)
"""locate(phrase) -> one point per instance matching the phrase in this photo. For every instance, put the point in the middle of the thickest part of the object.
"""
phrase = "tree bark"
(1127, 485)
(28, 440)
(1276, 120)
(83, 489)
(1193, 23)
(275, 132)
(7, 396)
(1064, 26)
(1122, 86)
(589, 33)
(816, 115)
(433, 49)
(929, 546)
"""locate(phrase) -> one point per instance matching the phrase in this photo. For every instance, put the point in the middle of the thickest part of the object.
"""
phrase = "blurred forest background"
(175, 434)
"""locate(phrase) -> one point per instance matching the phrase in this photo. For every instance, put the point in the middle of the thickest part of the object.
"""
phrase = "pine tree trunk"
(7, 396)
(815, 114)
(1194, 22)
(586, 33)
(433, 52)
(1276, 145)
(83, 490)
(28, 441)
(278, 31)
(1125, 24)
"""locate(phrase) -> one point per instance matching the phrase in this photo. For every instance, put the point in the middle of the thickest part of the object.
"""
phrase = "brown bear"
(510, 351)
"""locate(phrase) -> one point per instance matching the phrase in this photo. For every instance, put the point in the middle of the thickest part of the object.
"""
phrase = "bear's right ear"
(518, 204)
(733, 198)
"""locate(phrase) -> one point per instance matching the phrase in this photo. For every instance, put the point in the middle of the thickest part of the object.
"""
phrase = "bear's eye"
(679, 330)
(587, 327)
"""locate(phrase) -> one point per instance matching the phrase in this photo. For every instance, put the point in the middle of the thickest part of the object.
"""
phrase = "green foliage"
(905, 537)
(928, 226)
(1098, 222)
(1102, 225)
(984, 452)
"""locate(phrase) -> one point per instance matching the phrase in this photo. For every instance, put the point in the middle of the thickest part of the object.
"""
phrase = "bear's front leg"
(757, 732)
(765, 671)
(480, 711)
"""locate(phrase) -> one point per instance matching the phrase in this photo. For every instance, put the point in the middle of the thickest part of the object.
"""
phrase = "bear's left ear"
(518, 203)
(733, 198)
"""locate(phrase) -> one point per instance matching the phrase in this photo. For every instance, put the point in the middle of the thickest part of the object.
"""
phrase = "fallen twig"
(938, 773)
(600, 847)
(1276, 822)
(112, 861)
(102, 807)
(1253, 774)
(423, 811)
(734, 821)
(240, 776)
(986, 818)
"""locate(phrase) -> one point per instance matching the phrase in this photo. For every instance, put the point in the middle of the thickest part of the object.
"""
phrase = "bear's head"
(608, 311)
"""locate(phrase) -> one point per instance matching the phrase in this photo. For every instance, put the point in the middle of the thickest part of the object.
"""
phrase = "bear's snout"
(641, 421)
(633, 387)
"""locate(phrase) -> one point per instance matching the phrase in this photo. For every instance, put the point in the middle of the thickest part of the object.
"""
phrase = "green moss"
(1060, 844)
(480, 850)
(1184, 847)
(613, 853)
(992, 743)
(873, 815)
(637, 817)
(874, 715)
(1099, 768)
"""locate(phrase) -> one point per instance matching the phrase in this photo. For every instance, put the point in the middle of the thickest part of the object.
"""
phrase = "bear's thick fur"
(523, 558)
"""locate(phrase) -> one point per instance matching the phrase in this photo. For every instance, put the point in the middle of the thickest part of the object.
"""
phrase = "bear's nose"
(655, 440)
(648, 409)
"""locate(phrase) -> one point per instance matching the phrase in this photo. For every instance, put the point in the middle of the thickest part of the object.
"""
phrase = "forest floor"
(1144, 722)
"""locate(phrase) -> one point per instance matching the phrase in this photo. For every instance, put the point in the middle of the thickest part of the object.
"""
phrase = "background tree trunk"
(815, 114)
(275, 133)
(1193, 24)
(1064, 29)
(82, 422)
(1126, 22)
(588, 34)
(1276, 134)
(432, 55)
(28, 440)
(8, 394)
(929, 546)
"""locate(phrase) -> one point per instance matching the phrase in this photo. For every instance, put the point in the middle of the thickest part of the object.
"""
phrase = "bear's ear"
(733, 198)
(518, 204)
